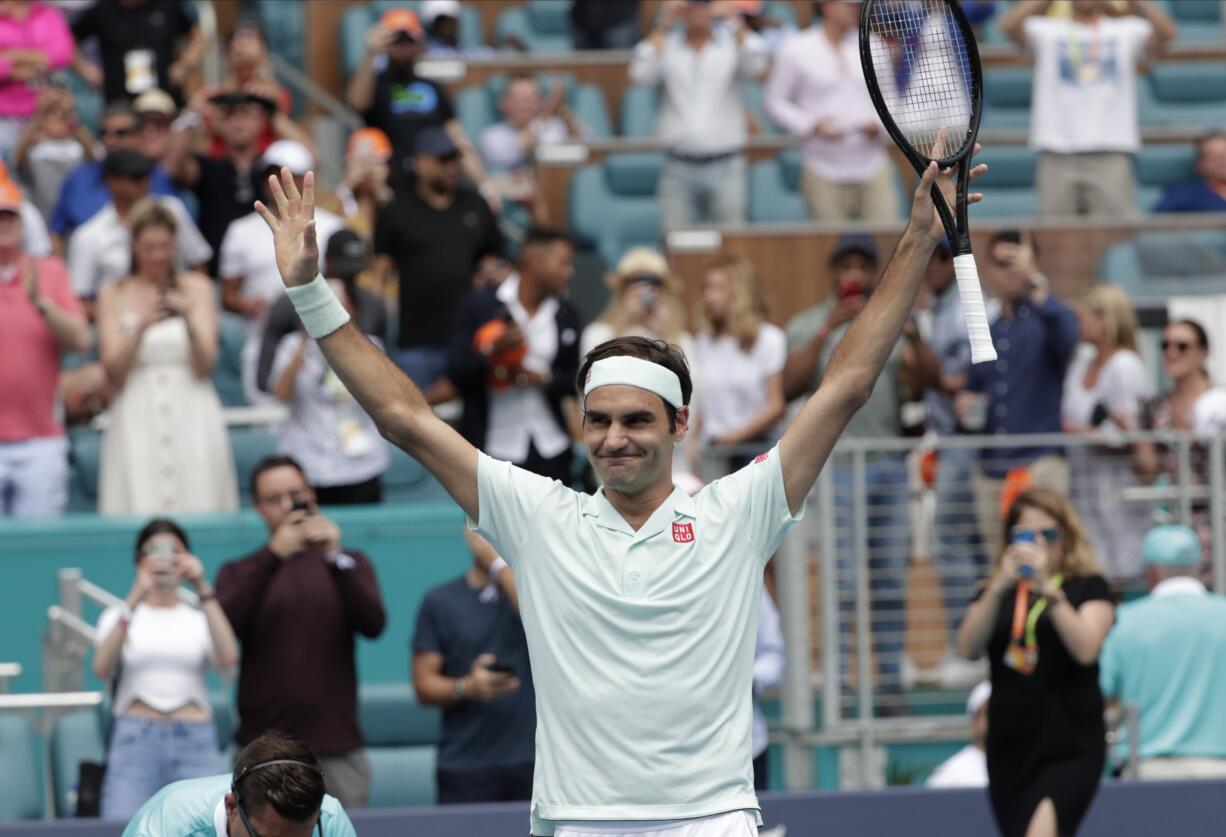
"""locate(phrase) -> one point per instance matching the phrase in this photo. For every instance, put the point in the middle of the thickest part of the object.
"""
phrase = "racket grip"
(973, 310)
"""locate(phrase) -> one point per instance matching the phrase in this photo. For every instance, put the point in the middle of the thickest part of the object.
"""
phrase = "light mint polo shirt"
(196, 808)
(642, 643)
(1167, 655)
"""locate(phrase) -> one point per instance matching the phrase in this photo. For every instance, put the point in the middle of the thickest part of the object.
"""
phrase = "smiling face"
(629, 442)
(1183, 354)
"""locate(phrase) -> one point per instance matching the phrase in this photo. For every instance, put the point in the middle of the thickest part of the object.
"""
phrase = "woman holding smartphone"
(1042, 616)
(155, 649)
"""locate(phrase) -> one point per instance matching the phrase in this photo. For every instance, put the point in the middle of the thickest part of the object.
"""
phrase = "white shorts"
(730, 824)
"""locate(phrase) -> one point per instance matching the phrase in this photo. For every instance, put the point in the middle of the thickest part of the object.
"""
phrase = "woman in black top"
(1046, 737)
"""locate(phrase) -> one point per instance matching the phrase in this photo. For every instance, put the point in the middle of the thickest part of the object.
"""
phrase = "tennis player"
(640, 603)
(277, 788)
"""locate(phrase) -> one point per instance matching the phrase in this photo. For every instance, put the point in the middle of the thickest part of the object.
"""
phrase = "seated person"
(1208, 192)
(968, 768)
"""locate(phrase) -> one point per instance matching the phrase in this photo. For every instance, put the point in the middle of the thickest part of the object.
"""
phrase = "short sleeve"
(1092, 588)
(1127, 386)
(53, 283)
(509, 498)
(1137, 32)
(1040, 31)
(1108, 665)
(446, 110)
(426, 637)
(106, 623)
(770, 351)
(756, 493)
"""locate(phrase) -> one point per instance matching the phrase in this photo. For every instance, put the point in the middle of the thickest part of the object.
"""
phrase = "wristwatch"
(461, 686)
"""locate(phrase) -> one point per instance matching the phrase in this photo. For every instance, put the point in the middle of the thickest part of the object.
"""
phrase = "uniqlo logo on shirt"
(683, 532)
(761, 457)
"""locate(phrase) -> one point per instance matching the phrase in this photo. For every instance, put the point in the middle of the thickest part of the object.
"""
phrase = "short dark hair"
(1011, 237)
(1202, 336)
(544, 236)
(271, 463)
(160, 526)
(644, 348)
(295, 791)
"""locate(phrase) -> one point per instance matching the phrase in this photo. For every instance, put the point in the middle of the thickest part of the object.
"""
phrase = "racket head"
(922, 69)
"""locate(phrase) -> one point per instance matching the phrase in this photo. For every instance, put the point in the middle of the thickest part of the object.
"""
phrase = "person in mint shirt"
(277, 788)
(1167, 656)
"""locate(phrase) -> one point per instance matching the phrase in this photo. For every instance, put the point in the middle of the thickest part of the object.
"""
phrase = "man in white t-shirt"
(1083, 118)
(639, 603)
(968, 768)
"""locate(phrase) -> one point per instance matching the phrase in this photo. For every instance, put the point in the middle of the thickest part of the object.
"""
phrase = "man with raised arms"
(640, 603)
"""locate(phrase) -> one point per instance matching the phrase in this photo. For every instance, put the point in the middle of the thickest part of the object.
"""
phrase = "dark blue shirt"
(83, 193)
(1193, 196)
(1026, 383)
(454, 622)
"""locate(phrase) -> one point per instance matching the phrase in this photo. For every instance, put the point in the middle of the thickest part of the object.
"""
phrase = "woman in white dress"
(165, 449)
(1104, 390)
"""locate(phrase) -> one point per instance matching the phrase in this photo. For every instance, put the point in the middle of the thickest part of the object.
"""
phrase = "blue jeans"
(146, 755)
(695, 194)
(888, 535)
(425, 364)
(957, 549)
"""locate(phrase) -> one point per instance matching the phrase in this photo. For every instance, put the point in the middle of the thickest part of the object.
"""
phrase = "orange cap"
(748, 7)
(369, 141)
(402, 20)
(11, 196)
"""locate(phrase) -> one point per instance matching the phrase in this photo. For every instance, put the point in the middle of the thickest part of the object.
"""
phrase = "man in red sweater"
(295, 605)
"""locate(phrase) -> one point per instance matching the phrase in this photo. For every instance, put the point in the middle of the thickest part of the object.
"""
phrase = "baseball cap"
(432, 9)
(978, 697)
(370, 141)
(1171, 545)
(11, 196)
(291, 154)
(234, 98)
(124, 162)
(345, 254)
(434, 141)
(404, 23)
(156, 102)
(861, 243)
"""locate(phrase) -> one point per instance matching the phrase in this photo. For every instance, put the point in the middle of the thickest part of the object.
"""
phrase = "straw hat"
(639, 261)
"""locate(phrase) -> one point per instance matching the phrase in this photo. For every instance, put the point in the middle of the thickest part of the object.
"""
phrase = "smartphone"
(301, 505)
(162, 550)
(500, 668)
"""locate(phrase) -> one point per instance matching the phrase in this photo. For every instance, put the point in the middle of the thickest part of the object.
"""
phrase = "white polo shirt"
(642, 643)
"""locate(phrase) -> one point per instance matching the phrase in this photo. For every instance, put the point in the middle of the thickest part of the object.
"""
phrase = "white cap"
(979, 696)
(438, 8)
(291, 154)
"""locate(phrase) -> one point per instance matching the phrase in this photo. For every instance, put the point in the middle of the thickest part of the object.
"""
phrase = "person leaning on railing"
(1046, 735)
(154, 649)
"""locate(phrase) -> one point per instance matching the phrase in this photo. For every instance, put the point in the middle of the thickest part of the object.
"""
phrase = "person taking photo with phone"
(154, 649)
(470, 657)
(296, 604)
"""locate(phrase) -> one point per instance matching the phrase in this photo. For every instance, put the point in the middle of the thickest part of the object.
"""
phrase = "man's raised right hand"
(293, 227)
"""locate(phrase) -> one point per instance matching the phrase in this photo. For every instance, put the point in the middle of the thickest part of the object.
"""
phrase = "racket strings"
(923, 70)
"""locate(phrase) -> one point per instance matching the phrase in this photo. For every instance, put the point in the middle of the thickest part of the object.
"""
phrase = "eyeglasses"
(118, 132)
(1179, 346)
(1051, 534)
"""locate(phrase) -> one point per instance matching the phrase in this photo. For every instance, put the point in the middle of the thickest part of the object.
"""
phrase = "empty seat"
(1006, 98)
(1158, 265)
(406, 481)
(638, 110)
(1160, 166)
(358, 19)
(774, 190)
(20, 794)
(477, 107)
(85, 453)
(613, 204)
(1183, 94)
(249, 445)
(401, 740)
(540, 25)
(1008, 187)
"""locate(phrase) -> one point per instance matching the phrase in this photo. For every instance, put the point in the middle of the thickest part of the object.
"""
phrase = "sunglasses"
(1179, 346)
(1049, 535)
(118, 132)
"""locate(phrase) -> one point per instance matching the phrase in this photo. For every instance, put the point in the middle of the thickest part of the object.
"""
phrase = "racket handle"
(973, 311)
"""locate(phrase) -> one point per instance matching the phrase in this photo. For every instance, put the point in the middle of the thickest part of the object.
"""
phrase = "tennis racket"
(921, 65)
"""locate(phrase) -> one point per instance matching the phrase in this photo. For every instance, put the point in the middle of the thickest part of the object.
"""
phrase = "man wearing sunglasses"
(277, 788)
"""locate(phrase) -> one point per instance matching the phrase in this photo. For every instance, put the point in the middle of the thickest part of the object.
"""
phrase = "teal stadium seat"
(85, 448)
(401, 743)
(249, 445)
(755, 104)
(228, 373)
(1159, 166)
(406, 481)
(1198, 20)
(1157, 265)
(357, 20)
(1184, 95)
(774, 190)
(20, 794)
(541, 25)
(1008, 187)
(613, 204)
(477, 107)
(1006, 98)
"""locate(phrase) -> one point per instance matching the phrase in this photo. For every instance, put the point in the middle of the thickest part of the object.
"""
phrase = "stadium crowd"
(125, 243)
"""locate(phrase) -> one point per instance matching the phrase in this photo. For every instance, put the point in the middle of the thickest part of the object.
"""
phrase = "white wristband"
(496, 568)
(318, 308)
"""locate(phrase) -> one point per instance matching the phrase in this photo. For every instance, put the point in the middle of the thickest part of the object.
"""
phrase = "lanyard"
(1026, 623)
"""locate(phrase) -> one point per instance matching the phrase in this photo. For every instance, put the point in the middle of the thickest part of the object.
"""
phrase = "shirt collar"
(677, 504)
(508, 294)
(1180, 585)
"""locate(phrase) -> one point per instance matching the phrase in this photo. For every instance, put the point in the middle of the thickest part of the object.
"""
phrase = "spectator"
(156, 111)
(39, 317)
(645, 302)
(226, 186)
(365, 189)
(1035, 337)
(1208, 192)
(812, 338)
(470, 657)
(700, 74)
(968, 768)
(434, 237)
(155, 649)
(100, 251)
(816, 92)
(277, 788)
(772, 30)
(165, 449)
(250, 282)
(328, 432)
(53, 143)
(528, 122)
(83, 192)
(441, 21)
(768, 668)
(143, 45)
(34, 42)
(1106, 386)
(738, 361)
(296, 604)
(345, 258)
(1084, 104)
(514, 376)
(604, 24)
(1046, 736)
(1166, 656)
(390, 95)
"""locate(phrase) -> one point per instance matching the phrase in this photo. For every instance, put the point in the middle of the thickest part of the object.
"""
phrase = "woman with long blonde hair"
(738, 358)
(1041, 616)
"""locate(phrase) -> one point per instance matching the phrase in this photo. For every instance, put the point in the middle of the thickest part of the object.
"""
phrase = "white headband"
(634, 372)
